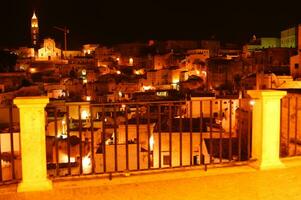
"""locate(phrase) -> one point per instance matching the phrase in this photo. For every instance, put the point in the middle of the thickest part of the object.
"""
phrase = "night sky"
(111, 21)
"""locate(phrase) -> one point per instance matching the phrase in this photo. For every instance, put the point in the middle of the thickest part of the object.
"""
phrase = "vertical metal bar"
(92, 139)
(56, 142)
(11, 132)
(104, 138)
(148, 136)
(281, 125)
(288, 124)
(181, 135)
(230, 130)
(221, 131)
(240, 127)
(138, 136)
(80, 139)
(159, 119)
(115, 140)
(201, 133)
(68, 140)
(211, 141)
(1, 179)
(190, 132)
(249, 134)
(126, 138)
(296, 125)
(170, 134)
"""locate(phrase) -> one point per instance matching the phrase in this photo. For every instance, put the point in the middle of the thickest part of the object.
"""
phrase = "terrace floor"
(236, 182)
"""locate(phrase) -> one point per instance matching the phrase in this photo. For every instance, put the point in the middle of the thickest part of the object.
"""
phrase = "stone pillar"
(266, 128)
(33, 143)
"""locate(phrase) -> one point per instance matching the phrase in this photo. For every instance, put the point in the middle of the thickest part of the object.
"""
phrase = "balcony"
(189, 148)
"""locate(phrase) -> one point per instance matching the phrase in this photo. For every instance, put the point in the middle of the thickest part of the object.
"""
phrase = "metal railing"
(84, 138)
(290, 128)
(10, 158)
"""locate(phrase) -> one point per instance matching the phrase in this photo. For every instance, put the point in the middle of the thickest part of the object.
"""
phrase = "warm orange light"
(34, 16)
(131, 61)
(64, 158)
(118, 72)
(147, 87)
(87, 164)
(63, 129)
(151, 142)
(120, 94)
(139, 72)
(32, 70)
(88, 98)
(175, 80)
(34, 25)
(84, 114)
(85, 81)
(252, 102)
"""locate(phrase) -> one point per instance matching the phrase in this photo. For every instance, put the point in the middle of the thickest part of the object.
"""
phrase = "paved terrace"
(236, 182)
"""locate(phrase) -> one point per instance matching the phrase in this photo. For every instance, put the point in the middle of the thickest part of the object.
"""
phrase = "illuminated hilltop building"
(49, 51)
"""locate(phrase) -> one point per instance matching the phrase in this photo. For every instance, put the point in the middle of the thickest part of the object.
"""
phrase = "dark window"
(166, 160)
(215, 114)
(297, 66)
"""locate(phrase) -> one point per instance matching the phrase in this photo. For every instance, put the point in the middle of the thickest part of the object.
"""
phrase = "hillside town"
(152, 70)
(95, 104)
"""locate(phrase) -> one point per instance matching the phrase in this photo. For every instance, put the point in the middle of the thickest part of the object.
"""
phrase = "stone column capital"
(31, 101)
(258, 94)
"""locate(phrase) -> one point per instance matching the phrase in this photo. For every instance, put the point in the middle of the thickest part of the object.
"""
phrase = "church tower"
(34, 30)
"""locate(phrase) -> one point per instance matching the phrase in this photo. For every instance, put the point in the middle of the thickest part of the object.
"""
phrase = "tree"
(8, 61)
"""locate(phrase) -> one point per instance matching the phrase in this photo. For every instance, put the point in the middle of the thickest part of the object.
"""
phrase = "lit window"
(84, 114)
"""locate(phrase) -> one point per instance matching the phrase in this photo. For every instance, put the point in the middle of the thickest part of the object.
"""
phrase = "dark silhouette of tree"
(7, 61)
(72, 73)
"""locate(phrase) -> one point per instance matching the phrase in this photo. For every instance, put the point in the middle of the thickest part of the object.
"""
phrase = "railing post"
(33, 144)
(266, 128)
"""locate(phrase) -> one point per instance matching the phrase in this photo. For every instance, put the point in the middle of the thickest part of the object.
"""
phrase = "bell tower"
(34, 30)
